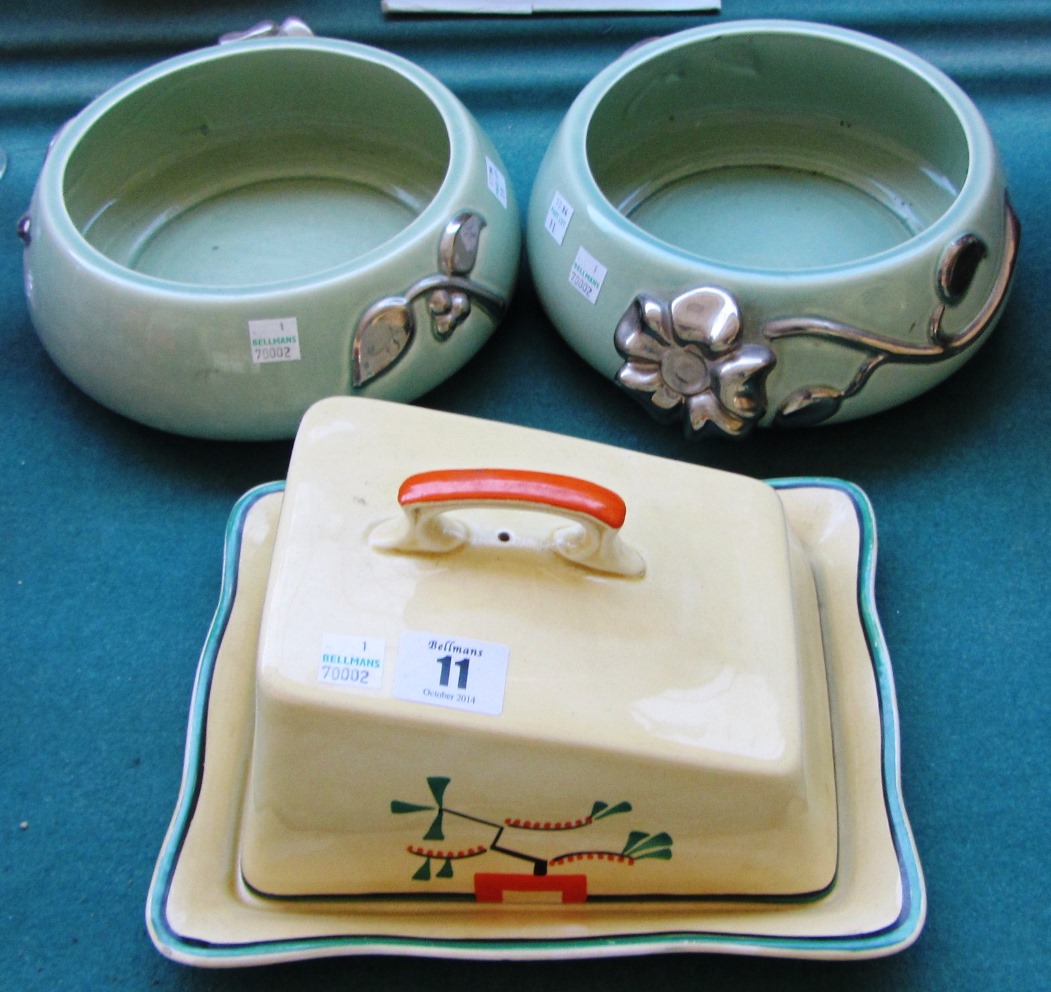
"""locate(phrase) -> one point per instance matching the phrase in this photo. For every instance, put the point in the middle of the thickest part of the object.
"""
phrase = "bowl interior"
(256, 166)
(777, 150)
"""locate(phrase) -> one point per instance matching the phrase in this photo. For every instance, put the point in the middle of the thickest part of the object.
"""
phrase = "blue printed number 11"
(463, 665)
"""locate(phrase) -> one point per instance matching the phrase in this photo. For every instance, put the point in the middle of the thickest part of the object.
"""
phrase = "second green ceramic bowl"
(771, 222)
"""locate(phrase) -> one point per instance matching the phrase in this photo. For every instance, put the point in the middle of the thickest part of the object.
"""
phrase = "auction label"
(351, 662)
(274, 340)
(496, 182)
(457, 672)
(559, 214)
(587, 275)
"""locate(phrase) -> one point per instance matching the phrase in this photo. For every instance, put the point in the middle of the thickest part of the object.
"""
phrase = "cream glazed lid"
(580, 592)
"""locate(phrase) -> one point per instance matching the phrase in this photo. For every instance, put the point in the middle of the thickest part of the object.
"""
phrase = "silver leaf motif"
(458, 250)
(809, 406)
(958, 265)
(383, 334)
(449, 297)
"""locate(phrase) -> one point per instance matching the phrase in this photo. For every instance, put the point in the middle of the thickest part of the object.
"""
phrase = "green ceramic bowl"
(770, 222)
(231, 235)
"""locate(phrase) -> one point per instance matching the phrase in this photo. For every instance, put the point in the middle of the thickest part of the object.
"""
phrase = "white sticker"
(586, 275)
(451, 671)
(351, 662)
(559, 214)
(496, 181)
(274, 340)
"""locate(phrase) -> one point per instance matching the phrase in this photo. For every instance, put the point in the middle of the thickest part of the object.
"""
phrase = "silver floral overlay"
(686, 361)
(691, 359)
(956, 270)
(388, 326)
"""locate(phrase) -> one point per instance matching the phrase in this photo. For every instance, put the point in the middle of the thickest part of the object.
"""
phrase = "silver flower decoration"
(686, 360)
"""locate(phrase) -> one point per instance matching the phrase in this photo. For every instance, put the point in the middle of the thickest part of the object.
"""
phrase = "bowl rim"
(461, 133)
(983, 162)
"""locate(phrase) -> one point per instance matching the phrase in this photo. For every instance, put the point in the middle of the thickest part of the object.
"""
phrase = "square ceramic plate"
(200, 912)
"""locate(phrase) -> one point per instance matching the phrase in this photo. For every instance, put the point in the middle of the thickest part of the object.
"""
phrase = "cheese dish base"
(199, 911)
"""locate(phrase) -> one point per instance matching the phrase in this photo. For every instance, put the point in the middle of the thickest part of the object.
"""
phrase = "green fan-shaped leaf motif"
(397, 806)
(435, 832)
(437, 784)
(662, 854)
(635, 837)
(624, 807)
(646, 846)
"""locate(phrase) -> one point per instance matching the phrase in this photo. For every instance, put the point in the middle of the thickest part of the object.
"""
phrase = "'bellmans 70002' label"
(351, 662)
(274, 340)
(587, 275)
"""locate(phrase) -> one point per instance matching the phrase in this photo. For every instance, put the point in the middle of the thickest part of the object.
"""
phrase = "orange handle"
(559, 492)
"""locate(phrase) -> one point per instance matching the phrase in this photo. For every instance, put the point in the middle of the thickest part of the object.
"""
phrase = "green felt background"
(111, 533)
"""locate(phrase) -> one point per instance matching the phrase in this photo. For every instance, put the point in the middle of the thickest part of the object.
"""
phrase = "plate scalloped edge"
(172, 942)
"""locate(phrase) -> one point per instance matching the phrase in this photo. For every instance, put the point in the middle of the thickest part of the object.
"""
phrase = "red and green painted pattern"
(640, 844)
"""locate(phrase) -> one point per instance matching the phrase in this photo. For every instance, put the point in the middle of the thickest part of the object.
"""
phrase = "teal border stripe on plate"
(197, 724)
(914, 900)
